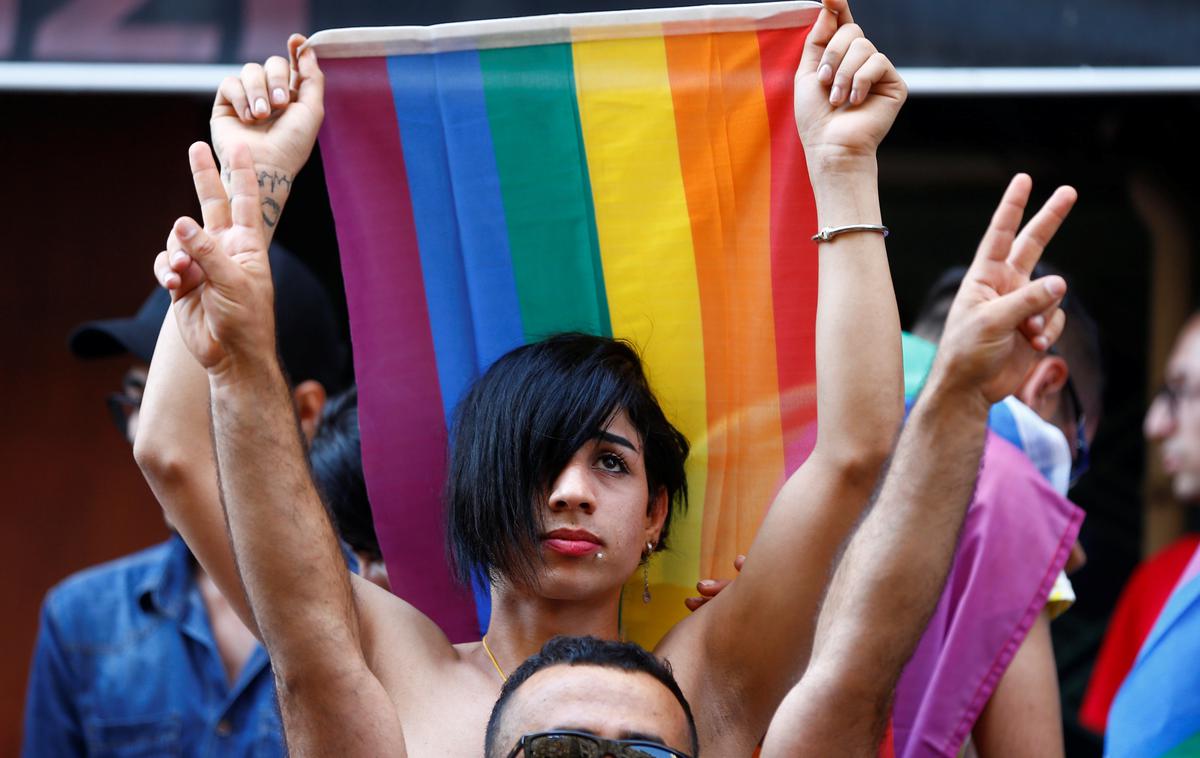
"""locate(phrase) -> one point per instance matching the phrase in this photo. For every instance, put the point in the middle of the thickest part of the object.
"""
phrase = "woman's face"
(599, 516)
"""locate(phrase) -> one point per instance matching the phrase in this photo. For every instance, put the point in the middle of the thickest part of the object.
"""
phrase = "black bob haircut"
(587, 651)
(517, 428)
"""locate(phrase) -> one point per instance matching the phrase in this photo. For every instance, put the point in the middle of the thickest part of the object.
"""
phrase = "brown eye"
(613, 463)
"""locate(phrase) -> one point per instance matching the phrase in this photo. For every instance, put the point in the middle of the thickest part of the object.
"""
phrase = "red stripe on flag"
(793, 255)
(400, 406)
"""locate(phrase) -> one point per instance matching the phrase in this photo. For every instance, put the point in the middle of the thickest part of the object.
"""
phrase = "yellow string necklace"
(488, 650)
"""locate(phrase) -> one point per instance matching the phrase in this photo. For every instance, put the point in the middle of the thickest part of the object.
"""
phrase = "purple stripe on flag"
(400, 404)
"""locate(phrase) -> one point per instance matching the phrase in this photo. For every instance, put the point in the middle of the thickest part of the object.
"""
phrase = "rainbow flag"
(635, 174)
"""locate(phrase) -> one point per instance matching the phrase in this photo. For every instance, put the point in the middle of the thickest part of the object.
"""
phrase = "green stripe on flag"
(534, 119)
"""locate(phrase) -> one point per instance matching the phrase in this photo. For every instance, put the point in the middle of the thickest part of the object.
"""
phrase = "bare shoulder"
(401, 644)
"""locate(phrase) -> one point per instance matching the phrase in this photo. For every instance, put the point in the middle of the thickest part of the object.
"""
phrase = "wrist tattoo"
(270, 211)
(274, 179)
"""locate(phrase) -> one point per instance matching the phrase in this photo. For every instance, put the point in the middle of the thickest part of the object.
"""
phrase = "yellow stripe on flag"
(628, 123)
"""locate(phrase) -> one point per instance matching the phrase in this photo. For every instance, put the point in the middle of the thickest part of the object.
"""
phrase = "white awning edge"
(169, 78)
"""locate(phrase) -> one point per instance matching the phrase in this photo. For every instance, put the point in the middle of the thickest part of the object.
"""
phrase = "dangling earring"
(646, 573)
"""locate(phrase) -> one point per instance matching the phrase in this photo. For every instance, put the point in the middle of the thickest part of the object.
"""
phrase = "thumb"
(197, 243)
(1034, 298)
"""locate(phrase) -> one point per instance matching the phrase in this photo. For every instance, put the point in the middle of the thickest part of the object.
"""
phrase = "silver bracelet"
(830, 232)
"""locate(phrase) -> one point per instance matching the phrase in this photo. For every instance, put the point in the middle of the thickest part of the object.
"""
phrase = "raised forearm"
(286, 549)
(889, 580)
(175, 453)
(859, 367)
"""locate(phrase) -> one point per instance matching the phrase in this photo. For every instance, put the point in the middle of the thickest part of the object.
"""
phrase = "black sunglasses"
(567, 744)
(120, 407)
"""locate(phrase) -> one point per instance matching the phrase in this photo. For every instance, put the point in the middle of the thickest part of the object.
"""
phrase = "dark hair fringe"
(517, 428)
(587, 651)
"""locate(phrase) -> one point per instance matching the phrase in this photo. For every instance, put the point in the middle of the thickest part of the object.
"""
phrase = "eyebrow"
(624, 735)
(616, 439)
(643, 736)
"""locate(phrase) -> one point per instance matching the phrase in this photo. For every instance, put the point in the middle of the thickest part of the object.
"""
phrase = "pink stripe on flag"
(400, 406)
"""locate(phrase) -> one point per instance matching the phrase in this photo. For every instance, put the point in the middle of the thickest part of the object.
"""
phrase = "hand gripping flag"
(635, 174)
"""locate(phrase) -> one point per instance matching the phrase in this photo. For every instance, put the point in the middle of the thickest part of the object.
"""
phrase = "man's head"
(1065, 384)
(612, 690)
(1174, 417)
(563, 468)
(335, 457)
(312, 352)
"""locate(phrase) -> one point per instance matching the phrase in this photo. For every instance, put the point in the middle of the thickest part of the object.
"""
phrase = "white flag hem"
(370, 42)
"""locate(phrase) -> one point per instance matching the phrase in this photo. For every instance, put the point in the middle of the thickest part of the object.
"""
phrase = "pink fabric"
(1192, 570)
(1016, 539)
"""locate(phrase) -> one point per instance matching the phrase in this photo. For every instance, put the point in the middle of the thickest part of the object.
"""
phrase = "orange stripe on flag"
(725, 154)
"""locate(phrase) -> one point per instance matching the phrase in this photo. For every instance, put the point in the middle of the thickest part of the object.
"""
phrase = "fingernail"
(854, 95)
(835, 94)
(824, 73)
(279, 96)
(705, 583)
(1056, 286)
(185, 232)
(261, 107)
(179, 256)
(1037, 323)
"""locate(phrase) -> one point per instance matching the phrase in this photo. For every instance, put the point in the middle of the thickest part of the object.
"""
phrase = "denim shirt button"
(224, 728)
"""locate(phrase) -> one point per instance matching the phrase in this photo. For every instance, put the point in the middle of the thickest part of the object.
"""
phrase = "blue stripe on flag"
(475, 181)
(414, 92)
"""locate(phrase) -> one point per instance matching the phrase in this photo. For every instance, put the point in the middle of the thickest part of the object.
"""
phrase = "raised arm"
(174, 443)
(893, 570)
(847, 95)
(306, 610)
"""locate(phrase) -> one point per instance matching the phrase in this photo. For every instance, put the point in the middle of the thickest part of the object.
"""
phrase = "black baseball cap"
(310, 344)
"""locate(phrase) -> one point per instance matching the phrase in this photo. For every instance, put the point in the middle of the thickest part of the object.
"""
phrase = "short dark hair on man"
(336, 460)
(587, 651)
(517, 428)
(1079, 344)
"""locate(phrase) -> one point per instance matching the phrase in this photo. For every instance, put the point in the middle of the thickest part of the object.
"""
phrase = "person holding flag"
(566, 525)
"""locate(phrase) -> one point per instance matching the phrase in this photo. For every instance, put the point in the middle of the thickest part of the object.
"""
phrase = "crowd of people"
(898, 594)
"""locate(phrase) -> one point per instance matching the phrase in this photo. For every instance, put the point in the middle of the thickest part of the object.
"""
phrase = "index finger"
(998, 239)
(214, 204)
(1032, 241)
(244, 187)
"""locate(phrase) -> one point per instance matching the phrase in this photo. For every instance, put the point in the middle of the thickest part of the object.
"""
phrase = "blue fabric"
(1157, 708)
(126, 664)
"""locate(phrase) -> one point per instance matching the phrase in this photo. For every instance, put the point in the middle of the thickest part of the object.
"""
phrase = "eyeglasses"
(1174, 395)
(568, 744)
(1081, 456)
(121, 407)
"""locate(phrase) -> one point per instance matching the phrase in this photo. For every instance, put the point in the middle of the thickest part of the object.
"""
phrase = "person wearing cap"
(143, 654)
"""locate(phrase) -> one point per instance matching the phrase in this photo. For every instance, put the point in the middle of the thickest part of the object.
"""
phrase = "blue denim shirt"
(126, 665)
